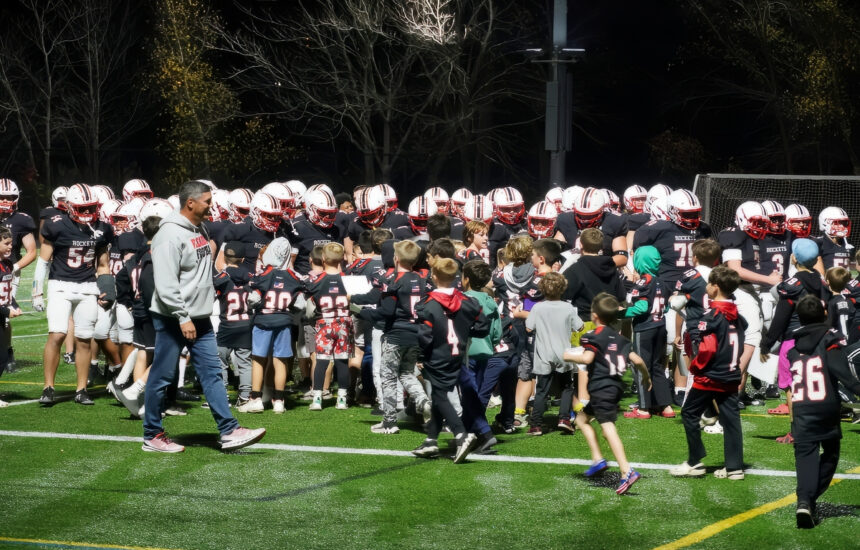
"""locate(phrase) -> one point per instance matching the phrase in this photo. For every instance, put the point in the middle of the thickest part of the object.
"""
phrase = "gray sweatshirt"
(182, 265)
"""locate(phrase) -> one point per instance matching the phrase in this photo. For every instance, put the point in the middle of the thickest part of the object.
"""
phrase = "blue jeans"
(474, 412)
(204, 351)
(489, 372)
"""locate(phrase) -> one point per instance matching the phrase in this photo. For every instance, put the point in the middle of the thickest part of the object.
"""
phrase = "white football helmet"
(613, 202)
(371, 206)
(277, 253)
(541, 220)
(634, 198)
(58, 197)
(209, 184)
(660, 209)
(776, 214)
(589, 209)
(8, 196)
(320, 206)
(509, 205)
(834, 222)
(440, 197)
(299, 189)
(458, 201)
(657, 191)
(240, 204)
(83, 205)
(103, 193)
(684, 209)
(554, 195)
(798, 220)
(570, 197)
(173, 200)
(156, 207)
(127, 218)
(420, 210)
(266, 213)
(219, 210)
(281, 192)
(107, 209)
(137, 188)
(390, 196)
(479, 208)
(751, 218)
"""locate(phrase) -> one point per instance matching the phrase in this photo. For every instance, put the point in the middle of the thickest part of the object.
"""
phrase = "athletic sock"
(278, 395)
(133, 391)
(341, 392)
(519, 411)
(127, 368)
(256, 395)
(183, 361)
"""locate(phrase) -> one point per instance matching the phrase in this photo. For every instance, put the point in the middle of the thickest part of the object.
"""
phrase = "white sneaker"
(714, 429)
(316, 404)
(495, 401)
(734, 475)
(133, 403)
(278, 406)
(383, 428)
(3, 404)
(341, 403)
(241, 437)
(427, 411)
(173, 411)
(708, 421)
(251, 406)
(685, 470)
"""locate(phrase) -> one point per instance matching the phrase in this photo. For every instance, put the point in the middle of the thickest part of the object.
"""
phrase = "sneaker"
(184, 395)
(95, 375)
(535, 430)
(326, 394)
(465, 447)
(596, 468)
(241, 437)
(427, 411)
(383, 428)
(130, 403)
(83, 398)
(565, 426)
(376, 411)
(627, 481)
(69, 358)
(485, 444)
(685, 470)
(428, 449)
(112, 389)
(856, 419)
(771, 392)
(316, 404)
(308, 394)
(521, 421)
(161, 444)
(715, 429)
(341, 403)
(708, 420)
(637, 413)
(804, 516)
(47, 398)
(3, 404)
(494, 401)
(173, 410)
(241, 401)
(734, 475)
(781, 410)
(251, 406)
(787, 439)
(278, 406)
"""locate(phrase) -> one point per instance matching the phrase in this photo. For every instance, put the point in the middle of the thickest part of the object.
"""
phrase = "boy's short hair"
(378, 237)
(407, 253)
(605, 306)
(365, 241)
(341, 198)
(472, 228)
(519, 250)
(707, 252)
(837, 278)
(438, 226)
(442, 248)
(552, 285)
(726, 279)
(445, 269)
(316, 255)
(6, 233)
(479, 274)
(548, 249)
(810, 310)
(233, 251)
(332, 253)
(591, 240)
(150, 227)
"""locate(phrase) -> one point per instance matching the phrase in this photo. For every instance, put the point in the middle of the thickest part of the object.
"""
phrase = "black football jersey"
(734, 239)
(692, 285)
(467, 255)
(775, 254)
(21, 225)
(790, 292)
(278, 290)
(253, 239)
(613, 225)
(729, 334)
(75, 248)
(369, 267)
(398, 297)
(852, 290)
(130, 242)
(840, 313)
(835, 254)
(443, 333)
(305, 237)
(500, 234)
(391, 222)
(234, 329)
(50, 212)
(216, 231)
(329, 295)
(341, 221)
(6, 278)
(611, 353)
(675, 245)
(142, 279)
(650, 289)
(635, 221)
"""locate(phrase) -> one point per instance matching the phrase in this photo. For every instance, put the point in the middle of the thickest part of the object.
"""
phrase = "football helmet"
(660, 209)
(107, 209)
(173, 200)
(440, 197)
(509, 205)
(685, 211)
(554, 196)
(589, 209)
(570, 197)
(127, 218)
(390, 196)
(299, 189)
(656, 191)
(209, 184)
(458, 201)
(58, 197)
(420, 210)
(541, 220)
(479, 208)
(284, 195)
(266, 213)
(83, 206)
(634, 198)
(834, 222)
(776, 215)
(155, 207)
(103, 193)
(371, 206)
(240, 204)
(277, 253)
(798, 220)
(219, 210)
(613, 202)
(320, 206)
(751, 218)
(137, 188)
(8, 196)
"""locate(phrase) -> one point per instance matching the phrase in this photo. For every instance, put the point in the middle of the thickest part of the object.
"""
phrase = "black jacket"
(587, 278)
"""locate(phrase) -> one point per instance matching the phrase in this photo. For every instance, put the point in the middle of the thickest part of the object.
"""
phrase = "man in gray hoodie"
(181, 306)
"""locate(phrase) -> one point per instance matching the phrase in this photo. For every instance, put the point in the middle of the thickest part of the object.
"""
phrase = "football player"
(510, 213)
(314, 227)
(371, 212)
(22, 227)
(835, 227)
(137, 188)
(255, 231)
(590, 211)
(775, 248)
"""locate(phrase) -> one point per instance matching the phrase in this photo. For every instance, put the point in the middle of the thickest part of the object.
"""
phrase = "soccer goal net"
(721, 194)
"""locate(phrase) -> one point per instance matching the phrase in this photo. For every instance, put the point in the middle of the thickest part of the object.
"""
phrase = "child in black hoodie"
(592, 274)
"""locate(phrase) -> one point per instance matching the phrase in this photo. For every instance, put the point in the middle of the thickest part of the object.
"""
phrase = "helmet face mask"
(751, 218)
(83, 205)
(589, 210)
(419, 211)
(266, 212)
(458, 201)
(685, 210)
(798, 220)
(540, 221)
(120, 222)
(511, 214)
(8, 203)
(240, 205)
(371, 206)
(320, 206)
(834, 223)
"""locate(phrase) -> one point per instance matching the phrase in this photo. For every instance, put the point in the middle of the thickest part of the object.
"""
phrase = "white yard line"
(404, 454)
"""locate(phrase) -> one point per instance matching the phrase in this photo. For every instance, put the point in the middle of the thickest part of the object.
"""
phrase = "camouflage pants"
(398, 364)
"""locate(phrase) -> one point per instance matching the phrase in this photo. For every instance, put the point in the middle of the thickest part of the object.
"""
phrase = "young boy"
(606, 353)
(447, 319)
(234, 328)
(716, 377)
(551, 322)
(8, 306)
(334, 336)
(840, 309)
(818, 364)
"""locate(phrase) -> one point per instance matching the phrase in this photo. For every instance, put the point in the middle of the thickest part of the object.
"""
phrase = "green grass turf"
(112, 493)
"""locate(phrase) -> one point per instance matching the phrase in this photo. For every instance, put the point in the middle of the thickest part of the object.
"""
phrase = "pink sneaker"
(241, 437)
(161, 444)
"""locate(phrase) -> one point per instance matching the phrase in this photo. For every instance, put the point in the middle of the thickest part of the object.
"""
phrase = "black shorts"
(144, 334)
(603, 404)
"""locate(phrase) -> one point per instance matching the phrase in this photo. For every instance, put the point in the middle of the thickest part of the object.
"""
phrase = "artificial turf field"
(308, 485)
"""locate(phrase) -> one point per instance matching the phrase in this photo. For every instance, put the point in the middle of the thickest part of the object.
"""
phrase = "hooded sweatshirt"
(484, 348)
(182, 263)
(447, 318)
(647, 290)
(587, 278)
(715, 367)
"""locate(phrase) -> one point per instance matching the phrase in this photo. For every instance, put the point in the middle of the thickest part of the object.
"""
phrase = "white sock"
(341, 392)
(133, 391)
(127, 368)
(182, 362)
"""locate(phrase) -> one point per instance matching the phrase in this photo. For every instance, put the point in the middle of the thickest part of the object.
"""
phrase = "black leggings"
(815, 471)
(341, 367)
(542, 387)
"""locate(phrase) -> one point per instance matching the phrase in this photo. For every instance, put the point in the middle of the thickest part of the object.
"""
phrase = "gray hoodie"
(182, 265)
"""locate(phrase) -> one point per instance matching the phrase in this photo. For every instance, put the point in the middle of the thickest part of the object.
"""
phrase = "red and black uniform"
(50, 212)
(675, 245)
(605, 384)
(612, 225)
(649, 341)
(775, 253)
(76, 247)
(397, 300)
(392, 221)
(692, 286)
(852, 290)
(21, 225)
(279, 289)
(253, 238)
(7, 302)
(135, 285)
(234, 327)
(637, 220)
(785, 320)
(835, 254)
(305, 236)
(130, 242)
(333, 322)
(840, 313)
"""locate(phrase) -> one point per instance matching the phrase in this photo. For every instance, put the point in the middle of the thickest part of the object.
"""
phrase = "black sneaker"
(69, 358)
(427, 449)
(804, 516)
(83, 398)
(47, 398)
(771, 392)
(376, 411)
(464, 447)
(485, 445)
(95, 375)
(184, 395)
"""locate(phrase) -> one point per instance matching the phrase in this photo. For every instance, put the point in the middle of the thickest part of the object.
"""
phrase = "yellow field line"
(720, 526)
(68, 544)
